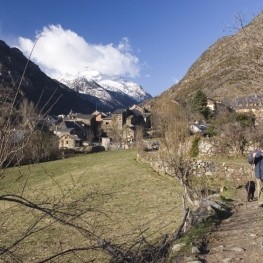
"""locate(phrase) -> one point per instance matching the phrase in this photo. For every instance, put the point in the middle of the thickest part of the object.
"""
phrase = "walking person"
(256, 159)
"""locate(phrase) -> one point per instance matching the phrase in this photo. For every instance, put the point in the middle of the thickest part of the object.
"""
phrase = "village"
(114, 130)
(121, 128)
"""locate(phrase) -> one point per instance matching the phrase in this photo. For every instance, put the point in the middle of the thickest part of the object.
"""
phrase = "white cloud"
(59, 51)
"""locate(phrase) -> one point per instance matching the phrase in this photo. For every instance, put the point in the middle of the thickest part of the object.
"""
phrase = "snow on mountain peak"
(89, 74)
(89, 81)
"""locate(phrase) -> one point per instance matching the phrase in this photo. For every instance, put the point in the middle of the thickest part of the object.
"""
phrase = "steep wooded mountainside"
(54, 97)
(231, 68)
(48, 94)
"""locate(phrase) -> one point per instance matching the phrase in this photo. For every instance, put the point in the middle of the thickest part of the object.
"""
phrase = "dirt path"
(240, 237)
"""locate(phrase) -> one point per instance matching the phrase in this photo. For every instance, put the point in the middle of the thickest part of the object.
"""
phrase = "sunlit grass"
(125, 198)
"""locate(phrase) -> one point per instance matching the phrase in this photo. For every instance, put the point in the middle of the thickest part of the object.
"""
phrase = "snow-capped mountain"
(108, 92)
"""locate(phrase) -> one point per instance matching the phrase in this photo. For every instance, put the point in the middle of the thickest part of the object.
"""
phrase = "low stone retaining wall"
(233, 171)
(212, 147)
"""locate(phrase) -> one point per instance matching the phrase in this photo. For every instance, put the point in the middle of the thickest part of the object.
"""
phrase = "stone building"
(68, 141)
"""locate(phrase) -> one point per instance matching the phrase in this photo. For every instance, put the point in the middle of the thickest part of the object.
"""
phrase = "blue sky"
(152, 42)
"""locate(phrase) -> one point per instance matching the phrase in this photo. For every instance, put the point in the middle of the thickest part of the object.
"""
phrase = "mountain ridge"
(49, 95)
(230, 68)
(106, 88)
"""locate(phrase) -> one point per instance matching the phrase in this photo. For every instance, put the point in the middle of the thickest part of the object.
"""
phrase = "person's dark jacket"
(258, 162)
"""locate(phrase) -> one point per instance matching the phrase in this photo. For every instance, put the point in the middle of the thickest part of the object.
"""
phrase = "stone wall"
(240, 172)
(211, 147)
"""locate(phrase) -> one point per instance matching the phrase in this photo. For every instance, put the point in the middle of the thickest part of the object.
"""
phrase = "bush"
(194, 151)
(246, 119)
(211, 130)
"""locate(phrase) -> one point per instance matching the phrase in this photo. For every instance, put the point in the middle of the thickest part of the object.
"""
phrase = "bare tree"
(171, 120)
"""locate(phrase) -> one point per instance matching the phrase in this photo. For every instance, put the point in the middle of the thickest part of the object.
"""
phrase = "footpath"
(238, 238)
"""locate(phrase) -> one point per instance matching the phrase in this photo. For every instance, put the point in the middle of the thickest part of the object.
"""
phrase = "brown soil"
(238, 238)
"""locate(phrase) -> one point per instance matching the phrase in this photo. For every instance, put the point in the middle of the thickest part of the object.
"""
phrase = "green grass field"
(121, 198)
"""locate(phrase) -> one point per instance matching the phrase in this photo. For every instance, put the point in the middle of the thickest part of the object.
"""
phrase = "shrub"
(194, 150)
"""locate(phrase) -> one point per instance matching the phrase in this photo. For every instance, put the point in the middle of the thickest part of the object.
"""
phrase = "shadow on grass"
(226, 200)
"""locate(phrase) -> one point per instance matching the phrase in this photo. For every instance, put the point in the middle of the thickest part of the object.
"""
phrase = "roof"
(137, 107)
(85, 116)
(108, 117)
(71, 125)
(146, 114)
(76, 138)
(64, 131)
(96, 113)
(244, 102)
(119, 111)
(137, 113)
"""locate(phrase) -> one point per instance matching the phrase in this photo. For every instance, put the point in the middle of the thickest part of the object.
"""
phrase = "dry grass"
(121, 196)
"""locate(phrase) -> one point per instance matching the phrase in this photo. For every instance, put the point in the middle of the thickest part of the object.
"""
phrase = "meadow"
(114, 197)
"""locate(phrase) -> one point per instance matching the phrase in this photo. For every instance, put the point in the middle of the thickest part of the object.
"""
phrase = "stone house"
(70, 127)
(88, 119)
(137, 118)
(106, 122)
(81, 132)
(147, 117)
(98, 123)
(128, 134)
(250, 104)
(99, 116)
(126, 121)
(119, 117)
(142, 116)
(217, 106)
(69, 141)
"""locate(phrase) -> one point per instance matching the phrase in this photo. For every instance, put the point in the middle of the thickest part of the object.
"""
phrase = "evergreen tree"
(199, 103)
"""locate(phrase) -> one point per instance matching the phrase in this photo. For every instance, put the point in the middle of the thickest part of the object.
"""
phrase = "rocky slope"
(231, 68)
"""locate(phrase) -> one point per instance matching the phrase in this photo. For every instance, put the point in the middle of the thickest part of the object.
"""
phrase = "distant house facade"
(106, 122)
(250, 104)
(99, 116)
(68, 141)
(71, 127)
(119, 117)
